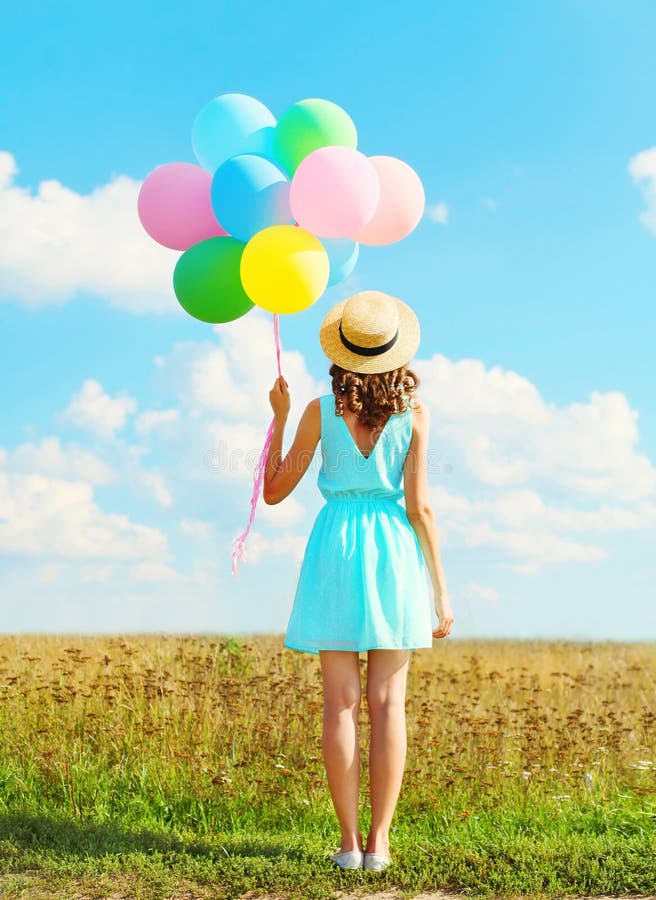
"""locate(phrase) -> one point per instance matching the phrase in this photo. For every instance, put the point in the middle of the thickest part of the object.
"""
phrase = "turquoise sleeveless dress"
(362, 583)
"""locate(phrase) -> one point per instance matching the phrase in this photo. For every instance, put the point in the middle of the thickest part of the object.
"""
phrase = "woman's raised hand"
(279, 398)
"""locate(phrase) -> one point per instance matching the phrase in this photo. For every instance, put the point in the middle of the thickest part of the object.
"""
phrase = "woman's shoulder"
(420, 414)
(319, 406)
(314, 406)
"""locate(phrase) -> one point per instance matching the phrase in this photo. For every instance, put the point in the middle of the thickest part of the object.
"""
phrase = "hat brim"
(398, 355)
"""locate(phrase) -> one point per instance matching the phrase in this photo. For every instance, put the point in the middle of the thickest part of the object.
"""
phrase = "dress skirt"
(362, 583)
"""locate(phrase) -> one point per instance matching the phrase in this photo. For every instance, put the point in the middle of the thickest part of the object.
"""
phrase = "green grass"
(159, 766)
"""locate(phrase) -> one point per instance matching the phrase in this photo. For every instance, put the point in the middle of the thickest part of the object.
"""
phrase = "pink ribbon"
(239, 543)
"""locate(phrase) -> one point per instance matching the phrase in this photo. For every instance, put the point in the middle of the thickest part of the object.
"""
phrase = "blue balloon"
(249, 193)
(229, 125)
(342, 255)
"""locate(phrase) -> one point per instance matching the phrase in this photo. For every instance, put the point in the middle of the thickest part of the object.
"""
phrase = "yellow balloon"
(284, 268)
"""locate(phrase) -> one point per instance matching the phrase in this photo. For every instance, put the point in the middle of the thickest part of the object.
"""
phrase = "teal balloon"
(249, 193)
(207, 282)
(229, 125)
(342, 256)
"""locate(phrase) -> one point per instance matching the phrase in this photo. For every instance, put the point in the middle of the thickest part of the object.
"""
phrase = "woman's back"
(346, 472)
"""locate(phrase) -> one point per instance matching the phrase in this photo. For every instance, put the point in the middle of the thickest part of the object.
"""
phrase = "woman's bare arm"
(282, 475)
(420, 513)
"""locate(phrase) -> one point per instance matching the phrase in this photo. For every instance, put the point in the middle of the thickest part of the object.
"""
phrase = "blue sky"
(535, 293)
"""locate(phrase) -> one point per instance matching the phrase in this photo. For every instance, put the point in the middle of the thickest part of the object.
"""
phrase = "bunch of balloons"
(276, 211)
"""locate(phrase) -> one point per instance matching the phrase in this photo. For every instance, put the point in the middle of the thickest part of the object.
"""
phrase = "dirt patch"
(43, 893)
(441, 895)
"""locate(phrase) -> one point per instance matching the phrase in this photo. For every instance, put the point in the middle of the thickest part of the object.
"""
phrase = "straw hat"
(370, 332)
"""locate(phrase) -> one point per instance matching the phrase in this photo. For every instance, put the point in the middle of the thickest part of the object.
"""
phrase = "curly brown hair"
(373, 397)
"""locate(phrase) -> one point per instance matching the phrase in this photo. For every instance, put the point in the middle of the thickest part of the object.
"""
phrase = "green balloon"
(207, 282)
(308, 125)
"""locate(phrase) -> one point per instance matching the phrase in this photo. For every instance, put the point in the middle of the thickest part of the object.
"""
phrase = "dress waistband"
(360, 498)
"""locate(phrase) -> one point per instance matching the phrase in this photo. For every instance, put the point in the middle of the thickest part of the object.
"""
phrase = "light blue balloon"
(342, 255)
(229, 125)
(249, 193)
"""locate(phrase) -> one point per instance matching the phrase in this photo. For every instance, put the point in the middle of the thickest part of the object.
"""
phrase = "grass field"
(164, 766)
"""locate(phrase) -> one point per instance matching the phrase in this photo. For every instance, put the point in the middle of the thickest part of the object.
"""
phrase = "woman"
(362, 584)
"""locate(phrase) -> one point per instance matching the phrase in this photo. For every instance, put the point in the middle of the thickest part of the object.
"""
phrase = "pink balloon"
(402, 202)
(334, 192)
(175, 206)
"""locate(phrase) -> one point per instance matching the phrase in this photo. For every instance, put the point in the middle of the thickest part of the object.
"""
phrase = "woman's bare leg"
(387, 672)
(342, 693)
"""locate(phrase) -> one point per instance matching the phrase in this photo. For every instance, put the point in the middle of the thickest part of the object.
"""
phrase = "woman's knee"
(342, 688)
(335, 705)
(386, 682)
(385, 704)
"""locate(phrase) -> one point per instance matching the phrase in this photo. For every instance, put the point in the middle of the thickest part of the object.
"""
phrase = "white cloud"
(284, 514)
(8, 169)
(55, 243)
(73, 466)
(524, 509)
(496, 425)
(542, 483)
(465, 389)
(86, 597)
(85, 573)
(537, 482)
(52, 517)
(224, 391)
(474, 591)
(195, 527)
(235, 448)
(217, 384)
(534, 549)
(155, 485)
(121, 572)
(530, 531)
(491, 204)
(156, 572)
(48, 457)
(93, 410)
(163, 421)
(202, 574)
(259, 546)
(642, 168)
(236, 377)
(224, 407)
(437, 212)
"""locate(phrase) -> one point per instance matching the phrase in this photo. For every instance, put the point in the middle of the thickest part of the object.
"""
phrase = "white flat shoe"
(350, 859)
(376, 862)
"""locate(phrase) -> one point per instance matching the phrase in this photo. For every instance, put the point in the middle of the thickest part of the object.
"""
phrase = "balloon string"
(276, 331)
(239, 543)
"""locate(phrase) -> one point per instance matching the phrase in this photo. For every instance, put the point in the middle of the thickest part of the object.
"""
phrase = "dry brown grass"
(222, 737)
